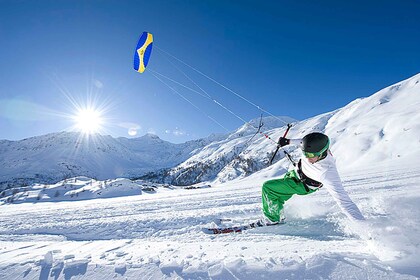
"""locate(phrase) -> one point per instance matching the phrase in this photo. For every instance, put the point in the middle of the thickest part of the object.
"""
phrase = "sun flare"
(88, 120)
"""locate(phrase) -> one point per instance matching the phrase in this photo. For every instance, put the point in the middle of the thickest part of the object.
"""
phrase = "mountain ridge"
(57, 156)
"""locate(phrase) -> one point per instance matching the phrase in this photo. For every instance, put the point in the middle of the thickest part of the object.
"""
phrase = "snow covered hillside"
(82, 188)
(226, 159)
(364, 132)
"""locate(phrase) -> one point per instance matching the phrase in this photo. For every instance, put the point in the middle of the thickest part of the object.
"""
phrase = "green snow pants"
(276, 192)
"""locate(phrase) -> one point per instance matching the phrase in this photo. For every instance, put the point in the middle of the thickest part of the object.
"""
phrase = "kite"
(143, 52)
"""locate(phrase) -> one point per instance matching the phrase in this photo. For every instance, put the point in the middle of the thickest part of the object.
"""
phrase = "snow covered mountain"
(365, 132)
(54, 157)
(226, 159)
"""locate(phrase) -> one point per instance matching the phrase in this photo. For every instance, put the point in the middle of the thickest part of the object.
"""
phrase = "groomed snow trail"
(158, 236)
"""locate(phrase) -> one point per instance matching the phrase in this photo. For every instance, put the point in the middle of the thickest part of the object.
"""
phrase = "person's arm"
(332, 183)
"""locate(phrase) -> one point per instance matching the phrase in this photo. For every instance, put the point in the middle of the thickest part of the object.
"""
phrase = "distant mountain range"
(368, 131)
(53, 157)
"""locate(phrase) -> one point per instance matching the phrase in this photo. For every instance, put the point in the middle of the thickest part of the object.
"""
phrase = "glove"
(283, 142)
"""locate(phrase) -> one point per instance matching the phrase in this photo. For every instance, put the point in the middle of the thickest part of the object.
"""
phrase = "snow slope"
(157, 235)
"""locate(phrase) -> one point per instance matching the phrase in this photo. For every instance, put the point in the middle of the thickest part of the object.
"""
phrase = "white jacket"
(325, 172)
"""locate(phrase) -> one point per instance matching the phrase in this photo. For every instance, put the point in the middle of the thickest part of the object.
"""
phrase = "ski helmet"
(315, 144)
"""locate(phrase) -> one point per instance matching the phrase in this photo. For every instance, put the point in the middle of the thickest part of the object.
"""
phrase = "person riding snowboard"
(315, 170)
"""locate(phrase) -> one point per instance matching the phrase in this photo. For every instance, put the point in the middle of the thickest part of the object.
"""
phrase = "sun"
(88, 120)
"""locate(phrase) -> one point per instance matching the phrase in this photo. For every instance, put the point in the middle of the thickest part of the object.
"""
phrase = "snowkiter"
(315, 170)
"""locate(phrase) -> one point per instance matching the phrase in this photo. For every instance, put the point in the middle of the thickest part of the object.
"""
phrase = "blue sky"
(293, 58)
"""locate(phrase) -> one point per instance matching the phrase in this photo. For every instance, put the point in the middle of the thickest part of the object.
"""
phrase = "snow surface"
(158, 235)
(145, 231)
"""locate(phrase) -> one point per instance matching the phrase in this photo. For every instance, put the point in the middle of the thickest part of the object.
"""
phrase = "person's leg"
(276, 192)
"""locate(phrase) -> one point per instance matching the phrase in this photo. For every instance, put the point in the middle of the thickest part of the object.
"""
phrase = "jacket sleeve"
(332, 183)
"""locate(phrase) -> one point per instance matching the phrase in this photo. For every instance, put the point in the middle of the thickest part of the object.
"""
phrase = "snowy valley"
(90, 216)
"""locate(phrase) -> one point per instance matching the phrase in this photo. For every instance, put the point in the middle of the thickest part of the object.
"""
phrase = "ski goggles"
(312, 155)
(316, 154)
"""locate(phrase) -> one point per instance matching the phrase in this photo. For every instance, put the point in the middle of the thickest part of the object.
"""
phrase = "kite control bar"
(278, 143)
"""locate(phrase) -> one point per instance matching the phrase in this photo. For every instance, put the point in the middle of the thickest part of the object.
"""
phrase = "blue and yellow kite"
(143, 52)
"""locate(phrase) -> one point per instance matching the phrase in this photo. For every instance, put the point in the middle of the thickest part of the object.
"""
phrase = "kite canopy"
(143, 52)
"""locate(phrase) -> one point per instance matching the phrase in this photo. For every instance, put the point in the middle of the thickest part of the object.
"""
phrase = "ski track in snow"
(158, 236)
